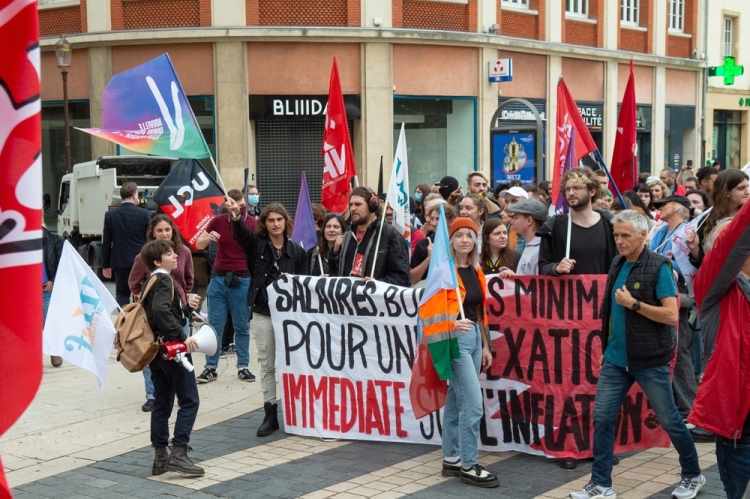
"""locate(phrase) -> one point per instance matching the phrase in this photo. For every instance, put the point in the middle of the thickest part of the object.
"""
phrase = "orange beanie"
(462, 223)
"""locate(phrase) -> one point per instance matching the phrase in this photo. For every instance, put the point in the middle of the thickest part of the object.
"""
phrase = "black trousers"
(171, 379)
(122, 290)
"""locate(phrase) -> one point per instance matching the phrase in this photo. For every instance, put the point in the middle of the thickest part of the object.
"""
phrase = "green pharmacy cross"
(729, 70)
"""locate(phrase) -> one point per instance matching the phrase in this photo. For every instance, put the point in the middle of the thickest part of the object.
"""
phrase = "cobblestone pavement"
(75, 441)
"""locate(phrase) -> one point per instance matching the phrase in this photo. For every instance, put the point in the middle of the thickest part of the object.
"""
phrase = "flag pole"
(570, 230)
(320, 262)
(597, 156)
(218, 176)
(377, 245)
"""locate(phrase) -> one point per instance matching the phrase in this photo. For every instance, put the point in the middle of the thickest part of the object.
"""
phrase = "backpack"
(135, 341)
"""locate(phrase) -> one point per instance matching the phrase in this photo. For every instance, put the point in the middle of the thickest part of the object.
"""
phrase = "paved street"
(77, 442)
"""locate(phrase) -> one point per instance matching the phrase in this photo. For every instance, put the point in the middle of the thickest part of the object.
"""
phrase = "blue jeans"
(734, 465)
(223, 300)
(463, 403)
(46, 296)
(614, 383)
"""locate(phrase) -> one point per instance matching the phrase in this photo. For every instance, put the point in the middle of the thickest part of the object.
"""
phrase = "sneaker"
(223, 354)
(207, 376)
(478, 476)
(689, 487)
(689, 426)
(148, 406)
(452, 469)
(231, 348)
(245, 375)
(593, 491)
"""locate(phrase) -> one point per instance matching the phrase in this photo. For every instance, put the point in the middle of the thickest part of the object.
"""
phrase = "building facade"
(727, 103)
(257, 74)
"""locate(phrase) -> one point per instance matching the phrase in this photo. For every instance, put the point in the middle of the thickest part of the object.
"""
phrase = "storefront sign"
(513, 156)
(642, 117)
(501, 70)
(298, 107)
(345, 349)
(745, 102)
(519, 112)
(593, 115)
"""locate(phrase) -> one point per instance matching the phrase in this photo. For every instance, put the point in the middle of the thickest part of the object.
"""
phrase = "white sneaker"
(593, 491)
(689, 487)
(689, 426)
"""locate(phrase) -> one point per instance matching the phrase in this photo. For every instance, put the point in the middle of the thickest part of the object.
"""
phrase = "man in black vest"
(639, 312)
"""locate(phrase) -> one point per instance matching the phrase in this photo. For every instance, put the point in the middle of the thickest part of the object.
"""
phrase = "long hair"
(480, 205)
(507, 255)
(723, 185)
(322, 243)
(273, 208)
(637, 203)
(156, 220)
(473, 256)
(641, 187)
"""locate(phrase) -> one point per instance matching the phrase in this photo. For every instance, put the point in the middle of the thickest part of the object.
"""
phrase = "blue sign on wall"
(513, 157)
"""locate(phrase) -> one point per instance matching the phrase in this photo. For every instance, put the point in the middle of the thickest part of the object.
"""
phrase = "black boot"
(270, 423)
(160, 461)
(181, 463)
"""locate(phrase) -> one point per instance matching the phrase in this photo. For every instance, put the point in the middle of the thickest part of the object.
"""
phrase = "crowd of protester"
(512, 229)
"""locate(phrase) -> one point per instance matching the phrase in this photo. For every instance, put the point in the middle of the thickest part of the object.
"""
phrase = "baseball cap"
(516, 191)
(674, 199)
(447, 185)
(531, 207)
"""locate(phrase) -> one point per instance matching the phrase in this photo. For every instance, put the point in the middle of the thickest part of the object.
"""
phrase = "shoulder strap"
(150, 284)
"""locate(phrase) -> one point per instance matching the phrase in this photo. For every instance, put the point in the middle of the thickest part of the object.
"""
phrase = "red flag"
(20, 215)
(568, 117)
(624, 163)
(427, 391)
(337, 149)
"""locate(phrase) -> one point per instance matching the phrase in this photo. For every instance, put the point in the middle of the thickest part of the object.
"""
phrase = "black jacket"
(124, 235)
(163, 309)
(554, 233)
(52, 247)
(263, 265)
(392, 265)
(648, 343)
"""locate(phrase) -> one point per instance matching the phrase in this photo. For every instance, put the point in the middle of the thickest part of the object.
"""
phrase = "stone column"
(611, 97)
(658, 120)
(487, 105)
(377, 113)
(98, 18)
(554, 70)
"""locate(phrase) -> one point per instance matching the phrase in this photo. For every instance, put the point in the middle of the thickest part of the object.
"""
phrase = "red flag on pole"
(337, 149)
(624, 165)
(568, 117)
(20, 214)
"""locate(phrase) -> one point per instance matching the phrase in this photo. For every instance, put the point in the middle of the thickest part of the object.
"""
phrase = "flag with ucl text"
(190, 197)
(624, 161)
(146, 110)
(79, 328)
(20, 214)
(398, 189)
(337, 152)
(568, 118)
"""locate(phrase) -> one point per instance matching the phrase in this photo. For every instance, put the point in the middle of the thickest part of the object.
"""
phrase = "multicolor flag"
(190, 197)
(20, 213)
(624, 163)
(146, 110)
(398, 189)
(681, 252)
(568, 118)
(304, 232)
(79, 328)
(337, 150)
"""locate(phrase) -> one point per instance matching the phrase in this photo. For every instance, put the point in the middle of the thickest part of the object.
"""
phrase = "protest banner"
(345, 349)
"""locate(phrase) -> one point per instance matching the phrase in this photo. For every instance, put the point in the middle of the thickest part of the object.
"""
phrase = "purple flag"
(303, 231)
(561, 206)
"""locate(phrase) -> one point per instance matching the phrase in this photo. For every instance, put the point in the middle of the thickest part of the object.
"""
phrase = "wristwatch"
(636, 306)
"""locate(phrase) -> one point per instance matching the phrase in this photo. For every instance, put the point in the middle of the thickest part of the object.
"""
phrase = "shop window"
(676, 15)
(524, 4)
(727, 135)
(440, 136)
(629, 12)
(577, 7)
(53, 149)
(728, 37)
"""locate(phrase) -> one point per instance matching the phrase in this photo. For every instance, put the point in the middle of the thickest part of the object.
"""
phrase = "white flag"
(681, 251)
(398, 189)
(78, 327)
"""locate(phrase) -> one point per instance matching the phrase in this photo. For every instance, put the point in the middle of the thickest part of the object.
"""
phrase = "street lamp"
(63, 52)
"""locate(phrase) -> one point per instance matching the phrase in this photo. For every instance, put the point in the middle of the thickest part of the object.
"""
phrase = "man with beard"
(592, 244)
(354, 252)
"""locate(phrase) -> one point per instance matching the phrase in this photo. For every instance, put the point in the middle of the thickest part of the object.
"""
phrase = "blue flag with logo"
(304, 232)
